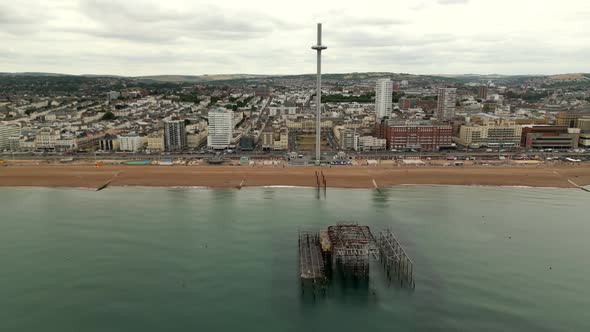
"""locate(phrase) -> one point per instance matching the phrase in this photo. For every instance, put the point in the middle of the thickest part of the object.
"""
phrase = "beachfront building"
(109, 143)
(174, 135)
(281, 139)
(415, 135)
(447, 99)
(195, 140)
(369, 143)
(549, 137)
(155, 142)
(347, 139)
(247, 143)
(65, 142)
(383, 98)
(46, 139)
(6, 133)
(130, 142)
(267, 138)
(502, 133)
(220, 128)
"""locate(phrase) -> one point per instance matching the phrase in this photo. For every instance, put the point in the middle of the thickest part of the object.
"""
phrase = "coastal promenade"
(87, 176)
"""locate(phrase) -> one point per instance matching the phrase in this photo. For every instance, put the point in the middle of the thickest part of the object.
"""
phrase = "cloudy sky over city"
(145, 37)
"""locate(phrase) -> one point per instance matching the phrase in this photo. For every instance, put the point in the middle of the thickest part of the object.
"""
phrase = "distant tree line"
(530, 96)
(190, 98)
(339, 98)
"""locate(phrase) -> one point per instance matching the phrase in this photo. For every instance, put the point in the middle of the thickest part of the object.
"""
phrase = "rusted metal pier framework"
(396, 262)
(348, 248)
(351, 247)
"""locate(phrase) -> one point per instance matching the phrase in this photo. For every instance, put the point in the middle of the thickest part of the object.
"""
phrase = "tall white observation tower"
(318, 130)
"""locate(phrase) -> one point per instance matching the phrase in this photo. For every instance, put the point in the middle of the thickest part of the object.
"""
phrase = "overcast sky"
(145, 37)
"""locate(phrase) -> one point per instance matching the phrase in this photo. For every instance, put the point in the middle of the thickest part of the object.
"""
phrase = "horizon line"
(302, 74)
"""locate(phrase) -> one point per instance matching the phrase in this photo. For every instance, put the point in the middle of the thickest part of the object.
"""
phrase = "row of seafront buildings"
(442, 131)
(174, 136)
(430, 136)
(570, 131)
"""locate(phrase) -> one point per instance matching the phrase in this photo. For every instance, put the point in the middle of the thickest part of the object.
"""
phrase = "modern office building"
(383, 98)
(550, 137)
(445, 108)
(174, 135)
(220, 128)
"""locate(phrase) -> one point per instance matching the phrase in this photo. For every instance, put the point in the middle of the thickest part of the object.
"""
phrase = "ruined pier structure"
(348, 248)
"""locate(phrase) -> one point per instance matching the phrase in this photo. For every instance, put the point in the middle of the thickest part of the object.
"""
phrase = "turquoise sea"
(192, 259)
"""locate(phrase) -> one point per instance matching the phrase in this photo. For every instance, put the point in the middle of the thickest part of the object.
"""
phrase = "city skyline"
(427, 37)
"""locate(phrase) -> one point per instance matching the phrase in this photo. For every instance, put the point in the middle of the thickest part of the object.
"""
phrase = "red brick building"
(424, 137)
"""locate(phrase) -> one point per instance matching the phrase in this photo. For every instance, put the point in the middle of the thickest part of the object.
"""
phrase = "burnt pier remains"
(348, 249)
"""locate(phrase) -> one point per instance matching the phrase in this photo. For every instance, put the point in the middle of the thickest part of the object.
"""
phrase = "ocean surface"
(191, 259)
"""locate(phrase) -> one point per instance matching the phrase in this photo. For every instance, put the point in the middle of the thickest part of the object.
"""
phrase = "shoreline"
(287, 187)
(367, 177)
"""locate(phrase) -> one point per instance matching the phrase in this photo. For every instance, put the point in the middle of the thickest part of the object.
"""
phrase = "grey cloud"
(387, 38)
(452, 2)
(186, 36)
(368, 21)
(150, 22)
(16, 19)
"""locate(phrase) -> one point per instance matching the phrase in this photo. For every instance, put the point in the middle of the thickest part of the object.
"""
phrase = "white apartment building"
(130, 142)
(383, 98)
(220, 128)
(447, 99)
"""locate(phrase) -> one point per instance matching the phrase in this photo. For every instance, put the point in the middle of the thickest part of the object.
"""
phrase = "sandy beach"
(562, 176)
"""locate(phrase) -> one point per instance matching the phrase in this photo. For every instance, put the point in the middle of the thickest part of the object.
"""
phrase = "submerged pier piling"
(395, 260)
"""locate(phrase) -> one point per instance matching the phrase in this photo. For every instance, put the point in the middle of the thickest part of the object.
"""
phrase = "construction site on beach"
(345, 251)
